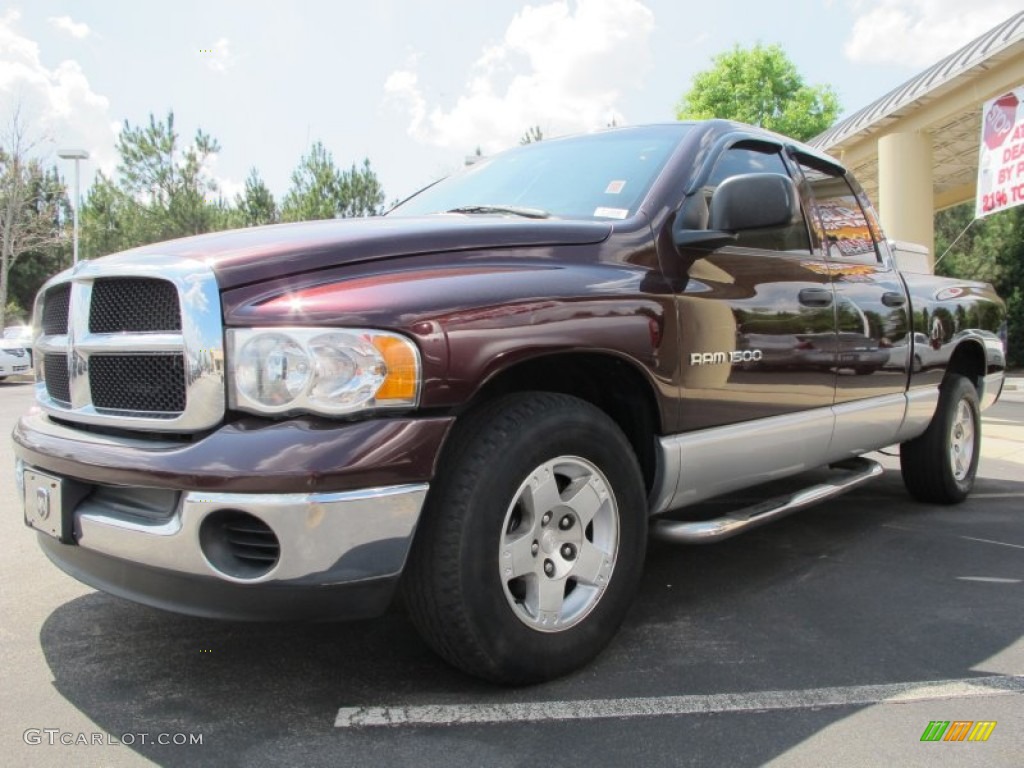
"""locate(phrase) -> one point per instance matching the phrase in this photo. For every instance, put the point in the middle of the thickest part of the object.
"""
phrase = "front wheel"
(940, 465)
(532, 541)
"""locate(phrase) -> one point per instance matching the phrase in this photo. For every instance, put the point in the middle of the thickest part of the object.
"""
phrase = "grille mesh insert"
(55, 310)
(55, 371)
(127, 304)
(147, 383)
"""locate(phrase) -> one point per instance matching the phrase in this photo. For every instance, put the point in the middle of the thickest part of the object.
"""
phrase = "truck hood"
(243, 256)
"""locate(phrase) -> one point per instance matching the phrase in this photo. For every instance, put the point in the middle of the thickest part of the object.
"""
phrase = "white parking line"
(989, 541)
(593, 709)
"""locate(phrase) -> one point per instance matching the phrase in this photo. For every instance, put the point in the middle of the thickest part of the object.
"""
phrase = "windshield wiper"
(529, 213)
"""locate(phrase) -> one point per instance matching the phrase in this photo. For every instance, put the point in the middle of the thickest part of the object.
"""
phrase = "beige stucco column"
(905, 193)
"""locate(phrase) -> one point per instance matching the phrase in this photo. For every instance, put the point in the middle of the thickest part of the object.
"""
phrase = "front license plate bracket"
(50, 504)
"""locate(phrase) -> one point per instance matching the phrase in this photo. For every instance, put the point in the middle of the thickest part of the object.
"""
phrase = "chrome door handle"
(893, 299)
(815, 297)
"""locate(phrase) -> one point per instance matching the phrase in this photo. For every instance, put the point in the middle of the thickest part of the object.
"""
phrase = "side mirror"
(704, 238)
(749, 201)
(754, 201)
(690, 228)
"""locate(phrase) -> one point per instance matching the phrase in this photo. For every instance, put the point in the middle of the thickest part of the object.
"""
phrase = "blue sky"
(415, 86)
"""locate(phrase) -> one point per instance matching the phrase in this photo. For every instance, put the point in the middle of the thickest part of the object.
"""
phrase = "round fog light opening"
(238, 544)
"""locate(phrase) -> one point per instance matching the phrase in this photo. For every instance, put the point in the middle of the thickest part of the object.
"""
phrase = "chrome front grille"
(133, 345)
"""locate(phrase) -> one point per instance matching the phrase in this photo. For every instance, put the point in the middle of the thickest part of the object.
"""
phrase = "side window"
(741, 160)
(847, 232)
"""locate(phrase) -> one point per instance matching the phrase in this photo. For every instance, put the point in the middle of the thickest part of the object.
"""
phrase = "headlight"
(321, 370)
(272, 369)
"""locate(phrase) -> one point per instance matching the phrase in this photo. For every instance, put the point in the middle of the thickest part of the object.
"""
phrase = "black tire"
(940, 466)
(463, 602)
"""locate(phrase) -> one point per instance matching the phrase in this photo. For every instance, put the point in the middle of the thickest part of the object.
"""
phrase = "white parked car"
(19, 333)
(18, 337)
(926, 355)
(14, 358)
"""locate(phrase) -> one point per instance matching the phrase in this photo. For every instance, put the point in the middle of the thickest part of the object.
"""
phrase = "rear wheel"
(532, 541)
(940, 465)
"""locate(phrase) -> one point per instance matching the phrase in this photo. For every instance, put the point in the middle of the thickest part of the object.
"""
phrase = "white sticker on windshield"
(612, 213)
(614, 187)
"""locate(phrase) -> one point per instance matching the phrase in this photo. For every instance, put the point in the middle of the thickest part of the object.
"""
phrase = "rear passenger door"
(872, 309)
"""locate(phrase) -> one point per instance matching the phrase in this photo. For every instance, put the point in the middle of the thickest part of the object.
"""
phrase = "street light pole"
(76, 155)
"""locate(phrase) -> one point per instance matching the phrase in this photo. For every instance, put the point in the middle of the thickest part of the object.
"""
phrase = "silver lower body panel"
(701, 465)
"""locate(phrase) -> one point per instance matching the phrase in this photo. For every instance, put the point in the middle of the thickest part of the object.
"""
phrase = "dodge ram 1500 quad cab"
(491, 396)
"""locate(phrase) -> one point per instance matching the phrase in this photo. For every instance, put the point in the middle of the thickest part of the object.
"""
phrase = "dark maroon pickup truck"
(491, 396)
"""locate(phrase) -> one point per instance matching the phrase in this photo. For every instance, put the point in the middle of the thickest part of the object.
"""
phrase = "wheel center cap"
(548, 542)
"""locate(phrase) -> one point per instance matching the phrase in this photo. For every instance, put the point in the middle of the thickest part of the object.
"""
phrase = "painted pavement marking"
(659, 706)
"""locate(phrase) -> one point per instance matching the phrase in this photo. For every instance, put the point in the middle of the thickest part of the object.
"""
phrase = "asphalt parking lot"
(833, 637)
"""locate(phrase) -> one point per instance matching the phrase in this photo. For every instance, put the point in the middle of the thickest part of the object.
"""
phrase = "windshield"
(602, 176)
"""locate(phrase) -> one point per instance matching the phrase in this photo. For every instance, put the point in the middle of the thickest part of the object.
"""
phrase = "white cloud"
(227, 187)
(219, 58)
(230, 188)
(918, 33)
(561, 66)
(58, 105)
(77, 29)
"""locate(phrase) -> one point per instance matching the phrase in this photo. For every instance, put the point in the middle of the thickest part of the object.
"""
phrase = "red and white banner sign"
(1001, 158)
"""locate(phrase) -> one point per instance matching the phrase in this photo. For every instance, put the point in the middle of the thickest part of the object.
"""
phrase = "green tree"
(162, 190)
(360, 192)
(256, 205)
(168, 182)
(314, 189)
(762, 87)
(320, 191)
(110, 220)
(533, 134)
(992, 250)
(32, 207)
(36, 266)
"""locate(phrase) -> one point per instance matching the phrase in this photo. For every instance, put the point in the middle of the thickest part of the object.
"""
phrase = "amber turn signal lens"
(403, 371)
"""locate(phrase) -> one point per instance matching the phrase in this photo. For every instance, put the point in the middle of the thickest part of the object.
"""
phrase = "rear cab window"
(845, 228)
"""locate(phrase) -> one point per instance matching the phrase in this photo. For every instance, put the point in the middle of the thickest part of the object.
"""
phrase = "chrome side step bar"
(705, 531)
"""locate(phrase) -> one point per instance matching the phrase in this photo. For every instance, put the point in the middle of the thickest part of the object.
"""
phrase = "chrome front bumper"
(339, 555)
(324, 538)
(149, 519)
